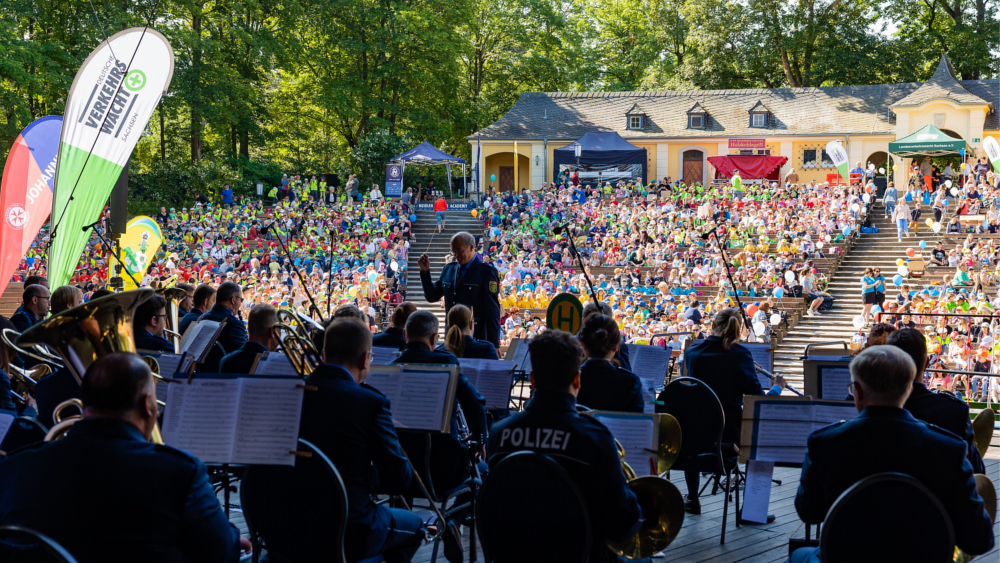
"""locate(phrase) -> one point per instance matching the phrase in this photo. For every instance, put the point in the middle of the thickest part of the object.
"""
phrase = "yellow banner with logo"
(138, 245)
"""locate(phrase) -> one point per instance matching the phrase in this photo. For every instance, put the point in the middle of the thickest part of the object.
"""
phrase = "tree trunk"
(786, 66)
(245, 144)
(232, 140)
(163, 137)
(196, 129)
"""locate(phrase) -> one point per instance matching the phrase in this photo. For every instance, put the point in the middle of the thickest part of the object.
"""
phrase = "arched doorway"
(693, 169)
(880, 159)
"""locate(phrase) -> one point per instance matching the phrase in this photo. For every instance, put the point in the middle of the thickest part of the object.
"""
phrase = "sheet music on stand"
(199, 338)
(650, 364)
(492, 378)
(6, 420)
(517, 352)
(222, 418)
(639, 434)
(273, 363)
(832, 381)
(170, 368)
(421, 397)
(383, 356)
(763, 354)
(777, 428)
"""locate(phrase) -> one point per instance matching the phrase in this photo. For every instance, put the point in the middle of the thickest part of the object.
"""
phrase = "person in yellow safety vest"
(314, 188)
(323, 190)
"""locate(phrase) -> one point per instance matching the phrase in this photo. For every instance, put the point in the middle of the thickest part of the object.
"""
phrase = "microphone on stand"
(558, 229)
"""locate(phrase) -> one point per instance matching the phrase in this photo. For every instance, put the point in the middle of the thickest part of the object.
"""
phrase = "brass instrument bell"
(174, 296)
(982, 429)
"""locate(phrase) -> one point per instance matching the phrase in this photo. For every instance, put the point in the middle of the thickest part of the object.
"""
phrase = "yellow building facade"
(680, 130)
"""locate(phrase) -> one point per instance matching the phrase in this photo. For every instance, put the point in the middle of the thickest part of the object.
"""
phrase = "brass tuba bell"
(174, 297)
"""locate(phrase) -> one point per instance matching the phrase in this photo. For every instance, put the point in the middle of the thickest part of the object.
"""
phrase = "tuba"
(174, 296)
(86, 332)
(295, 336)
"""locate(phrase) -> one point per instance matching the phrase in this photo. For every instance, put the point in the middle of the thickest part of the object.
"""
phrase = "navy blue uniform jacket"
(233, 337)
(352, 425)
(550, 425)
(242, 360)
(193, 315)
(145, 340)
(730, 373)
(473, 404)
(53, 389)
(605, 387)
(846, 452)
(478, 289)
(144, 502)
(392, 337)
(948, 412)
(474, 349)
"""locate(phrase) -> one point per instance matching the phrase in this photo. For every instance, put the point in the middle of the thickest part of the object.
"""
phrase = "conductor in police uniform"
(840, 455)
(468, 281)
(550, 425)
(108, 495)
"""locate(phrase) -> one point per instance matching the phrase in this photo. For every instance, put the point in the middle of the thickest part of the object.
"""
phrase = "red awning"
(750, 166)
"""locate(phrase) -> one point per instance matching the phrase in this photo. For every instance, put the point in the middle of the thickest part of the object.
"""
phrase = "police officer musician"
(727, 368)
(184, 306)
(603, 385)
(35, 301)
(459, 341)
(940, 409)
(421, 332)
(352, 424)
(228, 300)
(141, 501)
(840, 455)
(551, 425)
(621, 358)
(204, 300)
(392, 337)
(148, 323)
(468, 281)
(259, 340)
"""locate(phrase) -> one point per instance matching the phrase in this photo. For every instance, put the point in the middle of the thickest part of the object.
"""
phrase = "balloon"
(876, 309)
(384, 244)
(372, 276)
(789, 276)
(867, 198)
(868, 188)
(945, 202)
(474, 213)
(758, 328)
(910, 252)
(846, 230)
(829, 238)
(394, 266)
(898, 279)
(352, 291)
(855, 208)
(775, 319)
(858, 321)
(779, 292)
(947, 184)
(871, 166)
(413, 217)
(903, 271)
(900, 262)
(493, 177)
(923, 244)
(954, 192)
(929, 222)
(819, 245)
(936, 227)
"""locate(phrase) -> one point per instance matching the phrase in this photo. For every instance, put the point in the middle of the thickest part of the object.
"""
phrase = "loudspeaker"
(119, 203)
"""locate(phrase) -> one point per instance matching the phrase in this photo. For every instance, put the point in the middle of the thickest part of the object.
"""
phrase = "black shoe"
(692, 506)
(453, 543)
(770, 519)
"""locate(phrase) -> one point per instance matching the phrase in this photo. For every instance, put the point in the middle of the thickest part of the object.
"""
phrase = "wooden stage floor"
(698, 540)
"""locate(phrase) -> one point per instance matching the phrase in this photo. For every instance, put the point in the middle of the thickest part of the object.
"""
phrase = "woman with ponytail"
(727, 368)
(603, 385)
(459, 341)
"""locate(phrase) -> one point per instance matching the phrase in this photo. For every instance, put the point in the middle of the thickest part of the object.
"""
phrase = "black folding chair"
(439, 459)
(23, 431)
(698, 410)
(296, 513)
(555, 530)
(877, 519)
(23, 545)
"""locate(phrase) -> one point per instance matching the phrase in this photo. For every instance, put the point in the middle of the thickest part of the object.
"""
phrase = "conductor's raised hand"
(424, 262)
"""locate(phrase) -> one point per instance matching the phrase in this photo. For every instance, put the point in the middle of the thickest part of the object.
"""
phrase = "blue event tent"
(602, 152)
(426, 154)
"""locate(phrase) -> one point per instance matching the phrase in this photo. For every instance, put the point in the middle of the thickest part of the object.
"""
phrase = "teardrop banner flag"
(992, 151)
(108, 106)
(139, 244)
(26, 191)
(838, 155)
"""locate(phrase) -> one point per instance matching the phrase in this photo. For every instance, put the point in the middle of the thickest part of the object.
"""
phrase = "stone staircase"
(436, 246)
(876, 250)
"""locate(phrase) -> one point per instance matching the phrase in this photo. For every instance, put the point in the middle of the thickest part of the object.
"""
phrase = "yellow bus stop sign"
(565, 313)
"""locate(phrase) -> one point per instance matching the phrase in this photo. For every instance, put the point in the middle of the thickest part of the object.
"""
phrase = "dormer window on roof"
(635, 118)
(760, 116)
(697, 117)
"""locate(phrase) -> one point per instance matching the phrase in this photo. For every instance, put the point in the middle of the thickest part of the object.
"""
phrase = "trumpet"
(788, 386)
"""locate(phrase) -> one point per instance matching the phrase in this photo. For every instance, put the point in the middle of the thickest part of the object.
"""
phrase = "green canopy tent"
(929, 141)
